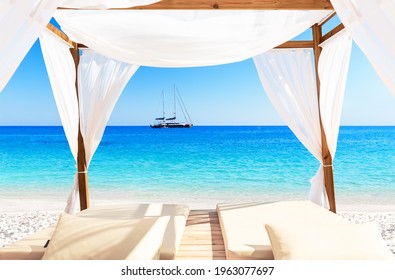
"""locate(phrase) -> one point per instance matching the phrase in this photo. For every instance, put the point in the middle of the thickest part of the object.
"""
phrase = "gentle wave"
(199, 164)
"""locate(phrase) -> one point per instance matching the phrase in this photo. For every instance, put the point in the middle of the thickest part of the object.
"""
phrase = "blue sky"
(218, 95)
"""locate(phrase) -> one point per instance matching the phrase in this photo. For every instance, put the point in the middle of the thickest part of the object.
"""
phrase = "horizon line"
(211, 125)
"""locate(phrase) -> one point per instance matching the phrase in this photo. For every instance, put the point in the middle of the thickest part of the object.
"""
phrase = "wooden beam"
(235, 5)
(82, 46)
(63, 36)
(326, 155)
(59, 33)
(81, 161)
(296, 45)
(334, 31)
(328, 18)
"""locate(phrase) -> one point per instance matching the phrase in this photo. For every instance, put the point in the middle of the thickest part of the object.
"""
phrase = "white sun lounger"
(32, 247)
(243, 225)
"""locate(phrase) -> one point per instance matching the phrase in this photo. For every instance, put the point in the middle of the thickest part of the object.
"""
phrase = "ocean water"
(199, 166)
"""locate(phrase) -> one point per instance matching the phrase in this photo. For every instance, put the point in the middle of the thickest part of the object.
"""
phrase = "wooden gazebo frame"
(318, 38)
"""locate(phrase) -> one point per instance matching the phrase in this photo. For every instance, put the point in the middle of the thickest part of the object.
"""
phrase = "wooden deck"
(202, 237)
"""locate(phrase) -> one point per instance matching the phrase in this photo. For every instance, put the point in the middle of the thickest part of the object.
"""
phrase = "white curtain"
(371, 25)
(101, 81)
(61, 71)
(173, 38)
(288, 79)
(105, 4)
(21, 23)
(333, 68)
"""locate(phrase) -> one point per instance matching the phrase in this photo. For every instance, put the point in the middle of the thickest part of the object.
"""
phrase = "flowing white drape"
(105, 4)
(288, 79)
(371, 25)
(333, 68)
(61, 71)
(101, 81)
(173, 38)
(21, 23)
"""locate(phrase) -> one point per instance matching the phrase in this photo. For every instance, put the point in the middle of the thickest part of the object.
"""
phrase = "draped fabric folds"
(21, 23)
(371, 25)
(288, 79)
(61, 71)
(174, 38)
(333, 69)
(101, 81)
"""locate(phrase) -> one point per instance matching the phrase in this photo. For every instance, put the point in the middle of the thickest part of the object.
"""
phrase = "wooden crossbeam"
(234, 5)
(328, 18)
(59, 33)
(334, 31)
(296, 45)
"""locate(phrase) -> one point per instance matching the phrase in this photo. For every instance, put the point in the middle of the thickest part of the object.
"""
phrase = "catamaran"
(164, 122)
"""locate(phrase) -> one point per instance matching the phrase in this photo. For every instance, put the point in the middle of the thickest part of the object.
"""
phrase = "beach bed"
(31, 247)
(161, 224)
(295, 230)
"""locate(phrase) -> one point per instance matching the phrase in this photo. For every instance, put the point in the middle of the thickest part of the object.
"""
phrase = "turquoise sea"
(199, 166)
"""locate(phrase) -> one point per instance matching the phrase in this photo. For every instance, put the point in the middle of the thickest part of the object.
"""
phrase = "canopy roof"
(175, 38)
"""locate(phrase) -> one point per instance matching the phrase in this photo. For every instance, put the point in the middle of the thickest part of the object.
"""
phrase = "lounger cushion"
(178, 214)
(82, 238)
(31, 247)
(291, 241)
(242, 225)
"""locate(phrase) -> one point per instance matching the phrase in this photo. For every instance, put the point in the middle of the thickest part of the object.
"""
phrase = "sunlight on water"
(198, 165)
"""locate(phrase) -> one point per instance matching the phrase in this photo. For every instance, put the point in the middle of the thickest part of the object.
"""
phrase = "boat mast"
(183, 108)
(174, 96)
(163, 104)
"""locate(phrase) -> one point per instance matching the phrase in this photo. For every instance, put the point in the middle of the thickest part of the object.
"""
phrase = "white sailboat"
(164, 122)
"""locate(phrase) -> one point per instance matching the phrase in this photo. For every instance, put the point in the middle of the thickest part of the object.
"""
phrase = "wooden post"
(326, 155)
(81, 161)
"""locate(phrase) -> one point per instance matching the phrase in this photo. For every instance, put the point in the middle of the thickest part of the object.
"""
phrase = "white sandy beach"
(17, 225)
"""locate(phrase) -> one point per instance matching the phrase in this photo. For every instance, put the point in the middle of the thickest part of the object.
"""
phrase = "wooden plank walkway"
(202, 237)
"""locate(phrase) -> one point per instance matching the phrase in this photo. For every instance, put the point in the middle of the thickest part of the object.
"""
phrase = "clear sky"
(218, 95)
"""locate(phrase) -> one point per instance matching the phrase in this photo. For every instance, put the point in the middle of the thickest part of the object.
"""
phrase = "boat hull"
(172, 125)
